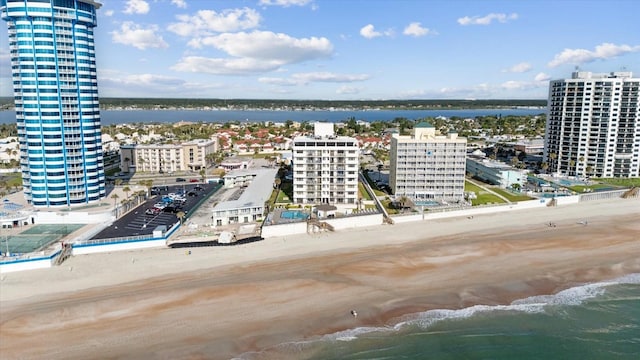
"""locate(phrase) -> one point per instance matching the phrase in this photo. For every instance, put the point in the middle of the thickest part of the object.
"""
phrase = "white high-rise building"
(593, 125)
(55, 88)
(426, 167)
(325, 168)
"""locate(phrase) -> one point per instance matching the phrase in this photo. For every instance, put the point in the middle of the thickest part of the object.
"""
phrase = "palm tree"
(180, 215)
(148, 184)
(276, 183)
(115, 198)
(203, 174)
(126, 190)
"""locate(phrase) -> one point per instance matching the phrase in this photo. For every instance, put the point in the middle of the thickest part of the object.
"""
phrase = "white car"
(159, 205)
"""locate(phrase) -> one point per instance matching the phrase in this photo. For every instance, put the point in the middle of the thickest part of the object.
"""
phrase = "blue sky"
(354, 49)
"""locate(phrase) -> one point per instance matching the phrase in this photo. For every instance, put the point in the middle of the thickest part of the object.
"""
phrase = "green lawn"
(511, 196)
(588, 188)
(484, 197)
(623, 182)
(363, 193)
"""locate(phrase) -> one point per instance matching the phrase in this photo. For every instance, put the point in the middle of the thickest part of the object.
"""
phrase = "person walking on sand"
(354, 313)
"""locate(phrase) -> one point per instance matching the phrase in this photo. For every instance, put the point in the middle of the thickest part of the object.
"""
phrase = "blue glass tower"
(56, 98)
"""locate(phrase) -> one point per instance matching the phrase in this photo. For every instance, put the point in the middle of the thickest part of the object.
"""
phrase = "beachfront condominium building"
(593, 125)
(427, 167)
(161, 158)
(53, 64)
(325, 168)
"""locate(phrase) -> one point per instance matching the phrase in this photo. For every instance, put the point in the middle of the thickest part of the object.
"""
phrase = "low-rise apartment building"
(426, 167)
(495, 172)
(191, 155)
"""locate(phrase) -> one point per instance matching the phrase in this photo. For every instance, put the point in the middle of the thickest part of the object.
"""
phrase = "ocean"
(109, 117)
(594, 321)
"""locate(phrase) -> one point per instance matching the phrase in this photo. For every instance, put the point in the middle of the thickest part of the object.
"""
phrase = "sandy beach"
(221, 302)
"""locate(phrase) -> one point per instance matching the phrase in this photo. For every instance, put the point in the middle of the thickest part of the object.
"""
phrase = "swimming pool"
(427, 203)
(294, 215)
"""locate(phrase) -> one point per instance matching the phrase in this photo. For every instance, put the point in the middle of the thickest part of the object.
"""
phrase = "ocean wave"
(534, 304)
(577, 295)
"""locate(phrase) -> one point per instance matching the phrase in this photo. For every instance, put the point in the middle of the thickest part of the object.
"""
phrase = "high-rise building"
(427, 167)
(593, 125)
(325, 168)
(53, 65)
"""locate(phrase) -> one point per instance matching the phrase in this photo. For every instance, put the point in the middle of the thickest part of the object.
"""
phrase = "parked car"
(152, 211)
(181, 179)
(198, 188)
(192, 193)
(160, 205)
(194, 180)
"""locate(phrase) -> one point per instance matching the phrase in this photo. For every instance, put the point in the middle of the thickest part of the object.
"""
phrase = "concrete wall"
(27, 263)
(342, 223)
(118, 246)
(73, 217)
(271, 231)
(398, 219)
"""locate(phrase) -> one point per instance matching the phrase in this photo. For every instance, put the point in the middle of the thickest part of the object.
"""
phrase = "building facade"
(167, 158)
(325, 168)
(426, 167)
(496, 172)
(593, 125)
(53, 64)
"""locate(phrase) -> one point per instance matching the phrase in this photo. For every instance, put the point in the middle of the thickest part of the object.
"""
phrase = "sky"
(354, 49)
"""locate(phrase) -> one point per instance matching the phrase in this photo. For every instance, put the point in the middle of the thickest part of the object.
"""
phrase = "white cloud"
(347, 90)
(108, 13)
(601, 52)
(138, 37)
(182, 4)
(517, 85)
(206, 22)
(542, 77)
(415, 29)
(269, 46)
(486, 20)
(519, 68)
(220, 66)
(369, 32)
(116, 83)
(284, 3)
(136, 7)
(306, 78)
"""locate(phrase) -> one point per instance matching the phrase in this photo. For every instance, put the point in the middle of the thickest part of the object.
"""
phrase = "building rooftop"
(254, 195)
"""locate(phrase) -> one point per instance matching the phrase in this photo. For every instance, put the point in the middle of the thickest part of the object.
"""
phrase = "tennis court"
(35, 237)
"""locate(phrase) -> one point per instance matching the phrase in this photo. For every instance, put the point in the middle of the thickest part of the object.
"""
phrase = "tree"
(180, 215)
(276, 183)
(126, 190)
(148, 184)
(115, 198)
(203, 174)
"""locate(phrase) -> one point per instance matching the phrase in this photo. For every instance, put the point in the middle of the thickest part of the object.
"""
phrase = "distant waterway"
(109, 117)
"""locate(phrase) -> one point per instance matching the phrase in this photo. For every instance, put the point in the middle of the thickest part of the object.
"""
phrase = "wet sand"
(220, 302)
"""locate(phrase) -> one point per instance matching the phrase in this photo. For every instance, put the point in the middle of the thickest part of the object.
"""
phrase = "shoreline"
(223, 302)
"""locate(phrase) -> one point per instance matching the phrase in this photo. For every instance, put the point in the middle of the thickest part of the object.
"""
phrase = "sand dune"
(221, 302)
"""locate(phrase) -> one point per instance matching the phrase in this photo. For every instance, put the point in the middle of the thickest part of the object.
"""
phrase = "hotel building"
(426, 167)
(593, 125)
(53, 64)
(191, 155)
(325, 168)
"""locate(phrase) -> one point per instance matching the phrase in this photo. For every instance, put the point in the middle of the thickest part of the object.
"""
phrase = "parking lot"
(140, 221)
